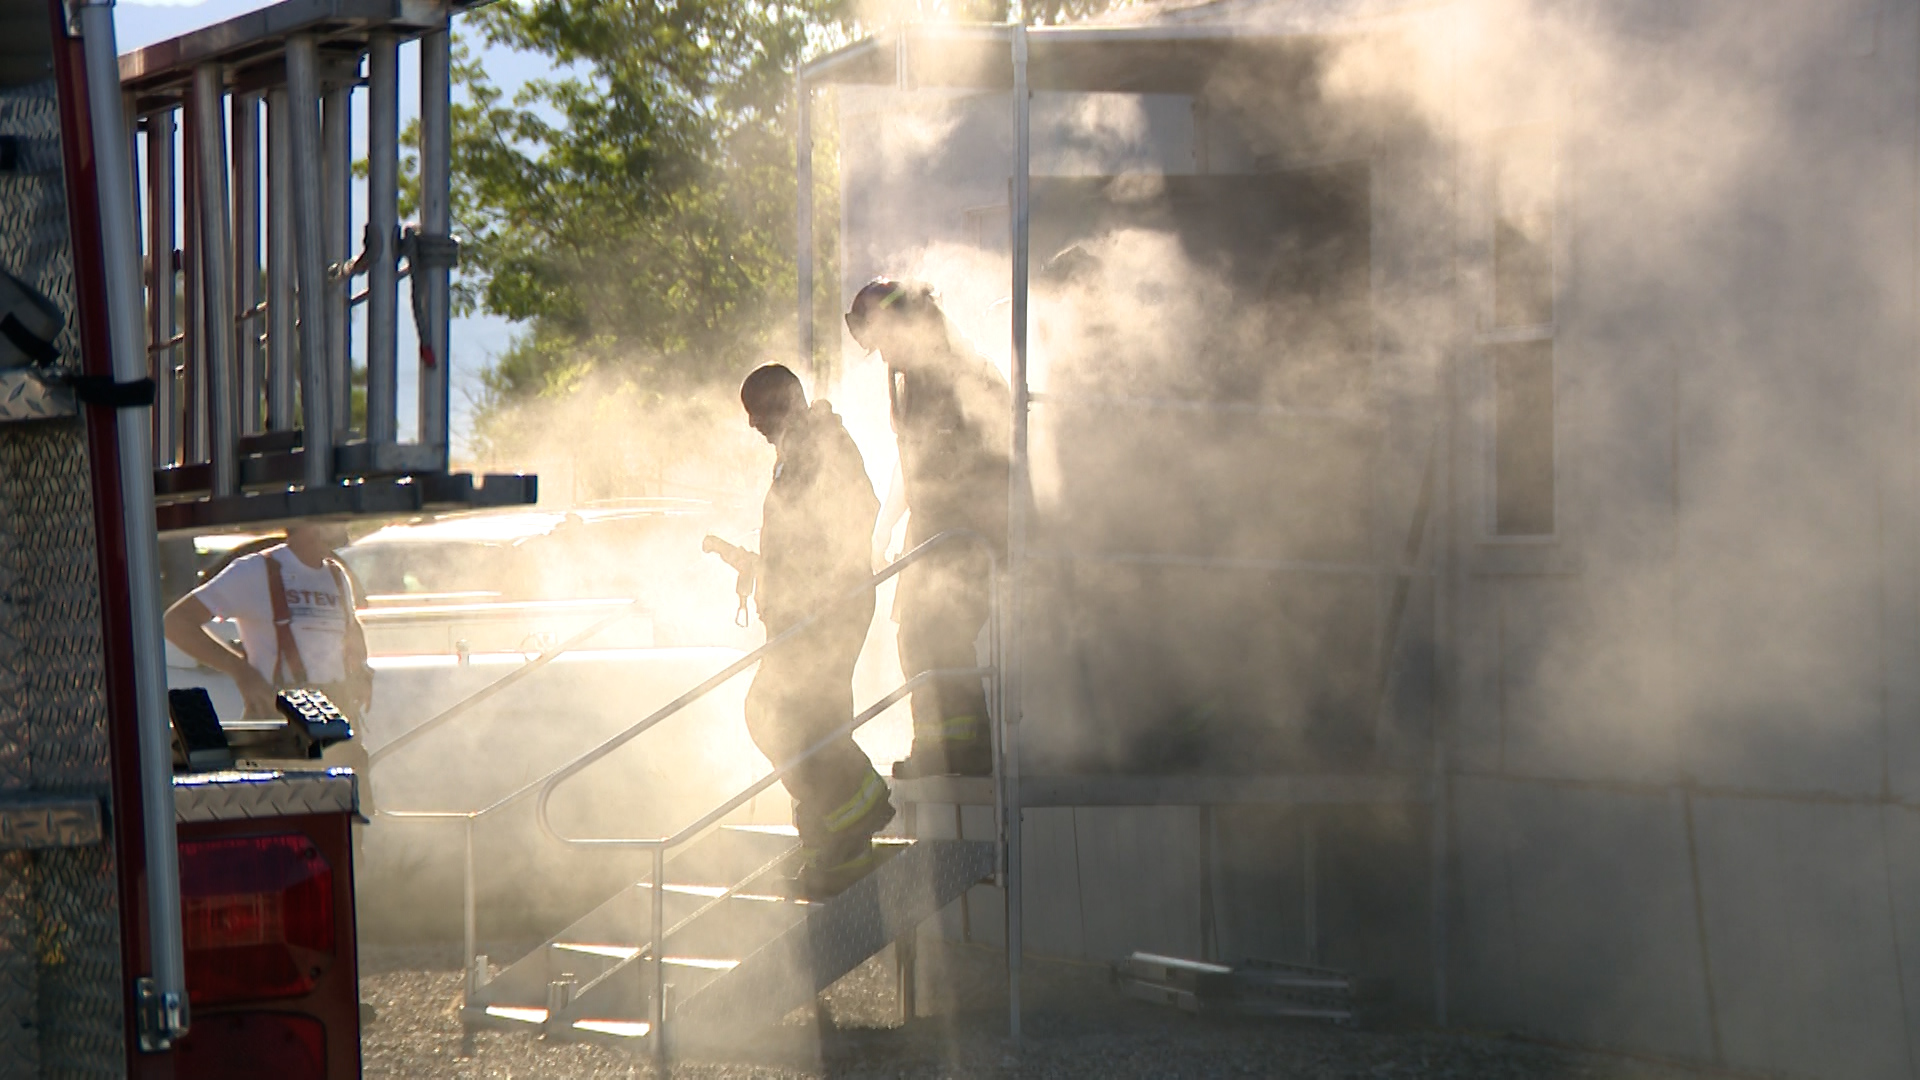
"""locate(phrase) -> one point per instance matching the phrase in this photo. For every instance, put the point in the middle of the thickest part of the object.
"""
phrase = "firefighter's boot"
(957, 746)
(844, 853)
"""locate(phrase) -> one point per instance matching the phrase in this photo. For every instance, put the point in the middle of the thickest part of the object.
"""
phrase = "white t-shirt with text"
(318, 611)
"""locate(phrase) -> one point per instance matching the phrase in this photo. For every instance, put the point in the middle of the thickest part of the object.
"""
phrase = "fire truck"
(178, 286)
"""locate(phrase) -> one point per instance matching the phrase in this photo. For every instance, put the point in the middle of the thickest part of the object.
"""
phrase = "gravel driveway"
(1076, 1026)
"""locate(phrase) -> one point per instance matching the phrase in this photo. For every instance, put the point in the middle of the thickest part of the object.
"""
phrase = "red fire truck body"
(158, 919)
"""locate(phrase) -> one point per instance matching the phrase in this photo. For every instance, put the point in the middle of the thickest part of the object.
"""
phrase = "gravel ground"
(1076, 1027)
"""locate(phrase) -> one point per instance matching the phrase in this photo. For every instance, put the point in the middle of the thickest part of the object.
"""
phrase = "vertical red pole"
(76, 139)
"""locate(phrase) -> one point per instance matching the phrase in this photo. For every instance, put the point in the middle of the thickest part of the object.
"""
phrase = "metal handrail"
(548, 783)
(659, 846)
(891, 570)
(720, 813)
(464, 704)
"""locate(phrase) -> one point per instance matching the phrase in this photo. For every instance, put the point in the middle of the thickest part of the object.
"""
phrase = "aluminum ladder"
(250, 265)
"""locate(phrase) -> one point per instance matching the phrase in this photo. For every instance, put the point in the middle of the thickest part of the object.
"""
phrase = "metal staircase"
(741, 952)
(736, 949)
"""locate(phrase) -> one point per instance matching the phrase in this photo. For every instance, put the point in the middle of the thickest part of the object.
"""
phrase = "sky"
(476, 340)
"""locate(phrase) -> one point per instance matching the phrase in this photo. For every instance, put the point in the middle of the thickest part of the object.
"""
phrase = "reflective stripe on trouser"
(873, 792)
(954, 729)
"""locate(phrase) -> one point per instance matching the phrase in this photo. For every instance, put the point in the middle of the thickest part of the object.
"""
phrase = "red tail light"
(258, 915)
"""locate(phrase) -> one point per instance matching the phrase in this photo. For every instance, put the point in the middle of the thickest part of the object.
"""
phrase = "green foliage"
(635, 209)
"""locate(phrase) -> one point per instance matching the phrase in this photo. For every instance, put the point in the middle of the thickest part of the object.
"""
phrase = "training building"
(1475, 532)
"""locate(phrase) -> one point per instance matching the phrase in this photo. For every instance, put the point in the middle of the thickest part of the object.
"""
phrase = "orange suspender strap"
(288, 668)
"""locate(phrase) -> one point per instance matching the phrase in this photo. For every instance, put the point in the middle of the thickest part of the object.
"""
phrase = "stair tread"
(751, 952)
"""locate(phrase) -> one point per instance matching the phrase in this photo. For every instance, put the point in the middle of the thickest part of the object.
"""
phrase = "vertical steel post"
(246, 254)
(283, 349)
(122, 270)
(216, 251)
(471, 916)
(1018, 485)
(658, 1010)
(436, 220)
(310, 271)
(162, 279)
(803, 231)
(383, 295)
(336, 164)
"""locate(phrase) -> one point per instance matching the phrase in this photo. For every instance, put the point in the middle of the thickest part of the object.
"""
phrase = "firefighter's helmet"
(882, 294)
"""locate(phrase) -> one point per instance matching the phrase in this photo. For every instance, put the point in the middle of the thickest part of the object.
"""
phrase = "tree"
(635, 212)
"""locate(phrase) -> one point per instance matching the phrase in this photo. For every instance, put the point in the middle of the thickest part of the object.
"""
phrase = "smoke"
(1534, 374)
(1630, 288)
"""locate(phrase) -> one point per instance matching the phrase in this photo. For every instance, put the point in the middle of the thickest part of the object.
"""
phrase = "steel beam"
(310, 272)
(383, 295)
(216, 262)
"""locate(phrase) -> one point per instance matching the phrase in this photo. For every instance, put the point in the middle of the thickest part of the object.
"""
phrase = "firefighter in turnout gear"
(814, 551)
(952, 413)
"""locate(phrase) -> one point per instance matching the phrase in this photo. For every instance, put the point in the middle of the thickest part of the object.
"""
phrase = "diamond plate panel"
(24, 395)
(60, 974)
(33, 204)
(226, 796)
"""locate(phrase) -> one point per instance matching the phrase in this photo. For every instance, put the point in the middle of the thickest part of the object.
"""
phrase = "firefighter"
(951, 414)
(294, 605)
(815, 535)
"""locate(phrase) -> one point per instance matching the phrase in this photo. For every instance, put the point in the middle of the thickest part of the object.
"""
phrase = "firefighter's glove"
(744, 564)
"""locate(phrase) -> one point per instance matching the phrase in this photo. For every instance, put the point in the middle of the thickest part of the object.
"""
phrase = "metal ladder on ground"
(711, 944)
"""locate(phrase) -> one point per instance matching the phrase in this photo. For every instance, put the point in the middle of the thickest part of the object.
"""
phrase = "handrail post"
(659, 919)
(469, 901)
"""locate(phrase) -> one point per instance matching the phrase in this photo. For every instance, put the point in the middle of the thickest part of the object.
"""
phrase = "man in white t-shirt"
(294, 606)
